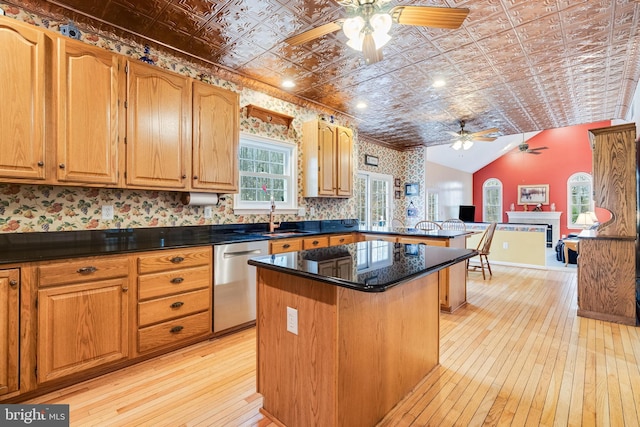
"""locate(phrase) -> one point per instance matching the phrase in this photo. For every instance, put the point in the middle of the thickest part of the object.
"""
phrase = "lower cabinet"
(174, 297)
(9, 329)
(83, 316)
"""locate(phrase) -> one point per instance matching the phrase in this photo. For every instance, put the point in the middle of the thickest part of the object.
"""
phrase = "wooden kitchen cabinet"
(174, 297)
(83, 315)
(158, 128)
(87, 92)
(328, 160)
(26, 101)
(215, 138)
(284, 245)
(9, 329)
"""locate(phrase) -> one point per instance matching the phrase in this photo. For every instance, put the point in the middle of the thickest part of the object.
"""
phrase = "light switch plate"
(208, 212)
(107, 212)
(292, 320)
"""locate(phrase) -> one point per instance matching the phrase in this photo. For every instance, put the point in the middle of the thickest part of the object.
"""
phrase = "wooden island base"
(356, 353)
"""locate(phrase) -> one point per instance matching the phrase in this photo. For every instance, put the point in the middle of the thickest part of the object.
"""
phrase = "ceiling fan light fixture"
(457, 145)
(467, 144)
(352, 28)
(381, 24)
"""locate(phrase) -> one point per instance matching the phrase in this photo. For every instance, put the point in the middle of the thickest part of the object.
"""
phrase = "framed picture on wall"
(533, 194)
(398, 194)
(412, 189)
(370, 160)
(396, 182)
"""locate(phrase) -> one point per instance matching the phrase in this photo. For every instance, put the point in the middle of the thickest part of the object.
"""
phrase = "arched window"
(492, 200)
(579, 190)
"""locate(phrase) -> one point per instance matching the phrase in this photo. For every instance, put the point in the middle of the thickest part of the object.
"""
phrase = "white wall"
(453, 186)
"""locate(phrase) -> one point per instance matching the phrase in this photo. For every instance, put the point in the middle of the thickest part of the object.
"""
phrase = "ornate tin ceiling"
(516, 65)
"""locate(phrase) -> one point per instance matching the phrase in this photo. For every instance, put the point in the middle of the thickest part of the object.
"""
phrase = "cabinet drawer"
(287, 245)
(171, 282)
(161, 309)
(174, 331)
(171, 259)
(315, 242)
(83, 270)
(341, 239)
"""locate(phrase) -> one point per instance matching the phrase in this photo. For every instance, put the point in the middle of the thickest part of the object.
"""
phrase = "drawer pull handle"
(87, 270)
(286, 246)
(177, 304)
(177, 280)
(341, 240)
(315, 242)
(13, 283)
(176, 329)
(177, 259)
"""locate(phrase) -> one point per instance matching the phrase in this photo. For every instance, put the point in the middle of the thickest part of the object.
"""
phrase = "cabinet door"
(87, 94)
(24, 101)
(326, 159)
(9, 329)
(158, 128)
(81, 326)
(215, 138)
(344, 169)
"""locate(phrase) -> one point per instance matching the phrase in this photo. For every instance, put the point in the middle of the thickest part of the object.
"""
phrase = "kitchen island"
(345, 332)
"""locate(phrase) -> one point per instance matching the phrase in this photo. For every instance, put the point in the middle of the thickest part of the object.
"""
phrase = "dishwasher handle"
(242, 253)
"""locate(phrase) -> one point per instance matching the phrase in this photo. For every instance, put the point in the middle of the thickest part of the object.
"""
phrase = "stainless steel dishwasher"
(234, 284)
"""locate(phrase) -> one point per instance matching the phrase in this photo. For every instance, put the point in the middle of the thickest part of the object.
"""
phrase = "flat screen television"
(467, 213)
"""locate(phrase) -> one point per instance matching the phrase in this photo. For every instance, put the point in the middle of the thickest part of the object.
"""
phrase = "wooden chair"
(428, 225)
(484, 246)
(454, 224)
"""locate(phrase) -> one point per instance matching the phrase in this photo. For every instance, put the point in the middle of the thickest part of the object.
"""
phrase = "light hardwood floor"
(516, 355)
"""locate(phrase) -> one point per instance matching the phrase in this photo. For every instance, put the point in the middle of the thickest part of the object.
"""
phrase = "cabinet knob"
(40, 163)
(177, 304)
(177, 280)
(61, 166)
(195, 177)
(13, 283)
(286, 246)
(341, 240)
(315, 242)
(184, 176)
(176, 329)
(87, 270)
(125, 289)
(177, 259)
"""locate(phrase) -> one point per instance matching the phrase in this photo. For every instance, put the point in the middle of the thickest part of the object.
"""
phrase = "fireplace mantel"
(533, 217)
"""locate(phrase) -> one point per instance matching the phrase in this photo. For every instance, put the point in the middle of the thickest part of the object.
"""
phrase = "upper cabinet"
(88, 126)
(328, 160)
(215, 138)
(26, 101)
(158, 128)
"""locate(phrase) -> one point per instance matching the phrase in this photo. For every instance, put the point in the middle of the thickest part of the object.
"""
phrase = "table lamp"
(586, 219)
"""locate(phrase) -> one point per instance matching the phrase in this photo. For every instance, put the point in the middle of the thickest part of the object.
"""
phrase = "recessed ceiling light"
(361, 105)
(288, 83)
(439, 83)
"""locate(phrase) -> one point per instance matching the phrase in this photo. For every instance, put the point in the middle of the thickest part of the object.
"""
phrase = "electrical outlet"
(292, 320)
(208, 212)
(312, 211)
(107, 212)
(302, 211)
(505, 245)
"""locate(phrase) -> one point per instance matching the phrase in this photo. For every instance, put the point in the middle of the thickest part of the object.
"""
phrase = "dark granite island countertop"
(371, 266)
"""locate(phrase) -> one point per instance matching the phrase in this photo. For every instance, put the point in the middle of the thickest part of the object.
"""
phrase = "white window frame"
(287, 207)
(382, 177)
(572, 181)
(490, 183)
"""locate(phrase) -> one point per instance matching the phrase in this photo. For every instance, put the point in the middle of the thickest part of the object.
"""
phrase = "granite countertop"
(372, 266)
(18, 248)
(409, 231)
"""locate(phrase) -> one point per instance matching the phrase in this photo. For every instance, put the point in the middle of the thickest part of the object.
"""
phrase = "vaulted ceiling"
(516, 65)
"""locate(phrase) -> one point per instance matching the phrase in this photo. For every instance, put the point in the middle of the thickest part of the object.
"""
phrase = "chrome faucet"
(272, 223)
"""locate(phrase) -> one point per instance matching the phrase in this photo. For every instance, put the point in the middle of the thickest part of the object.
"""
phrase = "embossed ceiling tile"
(132, 20)
(203, 8)
(520, 12)
(212, 33)
(232, 22)
(181, 20)
(169, 36)
(151, 8)
(281, 20)
(490, 26)
(450, 41)
(314, 12)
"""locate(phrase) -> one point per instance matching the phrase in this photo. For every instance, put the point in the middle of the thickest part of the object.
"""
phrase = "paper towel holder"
(200, 199)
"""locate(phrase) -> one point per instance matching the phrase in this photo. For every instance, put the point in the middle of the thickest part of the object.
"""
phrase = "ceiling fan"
(524, 148)
(368, 23)
(464, 139)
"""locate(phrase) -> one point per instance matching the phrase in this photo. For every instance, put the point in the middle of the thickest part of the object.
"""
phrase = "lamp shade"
(586, 219)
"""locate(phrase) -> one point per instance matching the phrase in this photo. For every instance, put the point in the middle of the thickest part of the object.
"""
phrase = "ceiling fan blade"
(313, 33)
(483, 138)
(430, 16)
(539, 148)
(455, 134)
(486, 131)
(532, 152)
(371, 54)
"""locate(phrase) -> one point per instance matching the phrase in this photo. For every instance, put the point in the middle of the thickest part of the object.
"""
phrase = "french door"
(374, 199)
